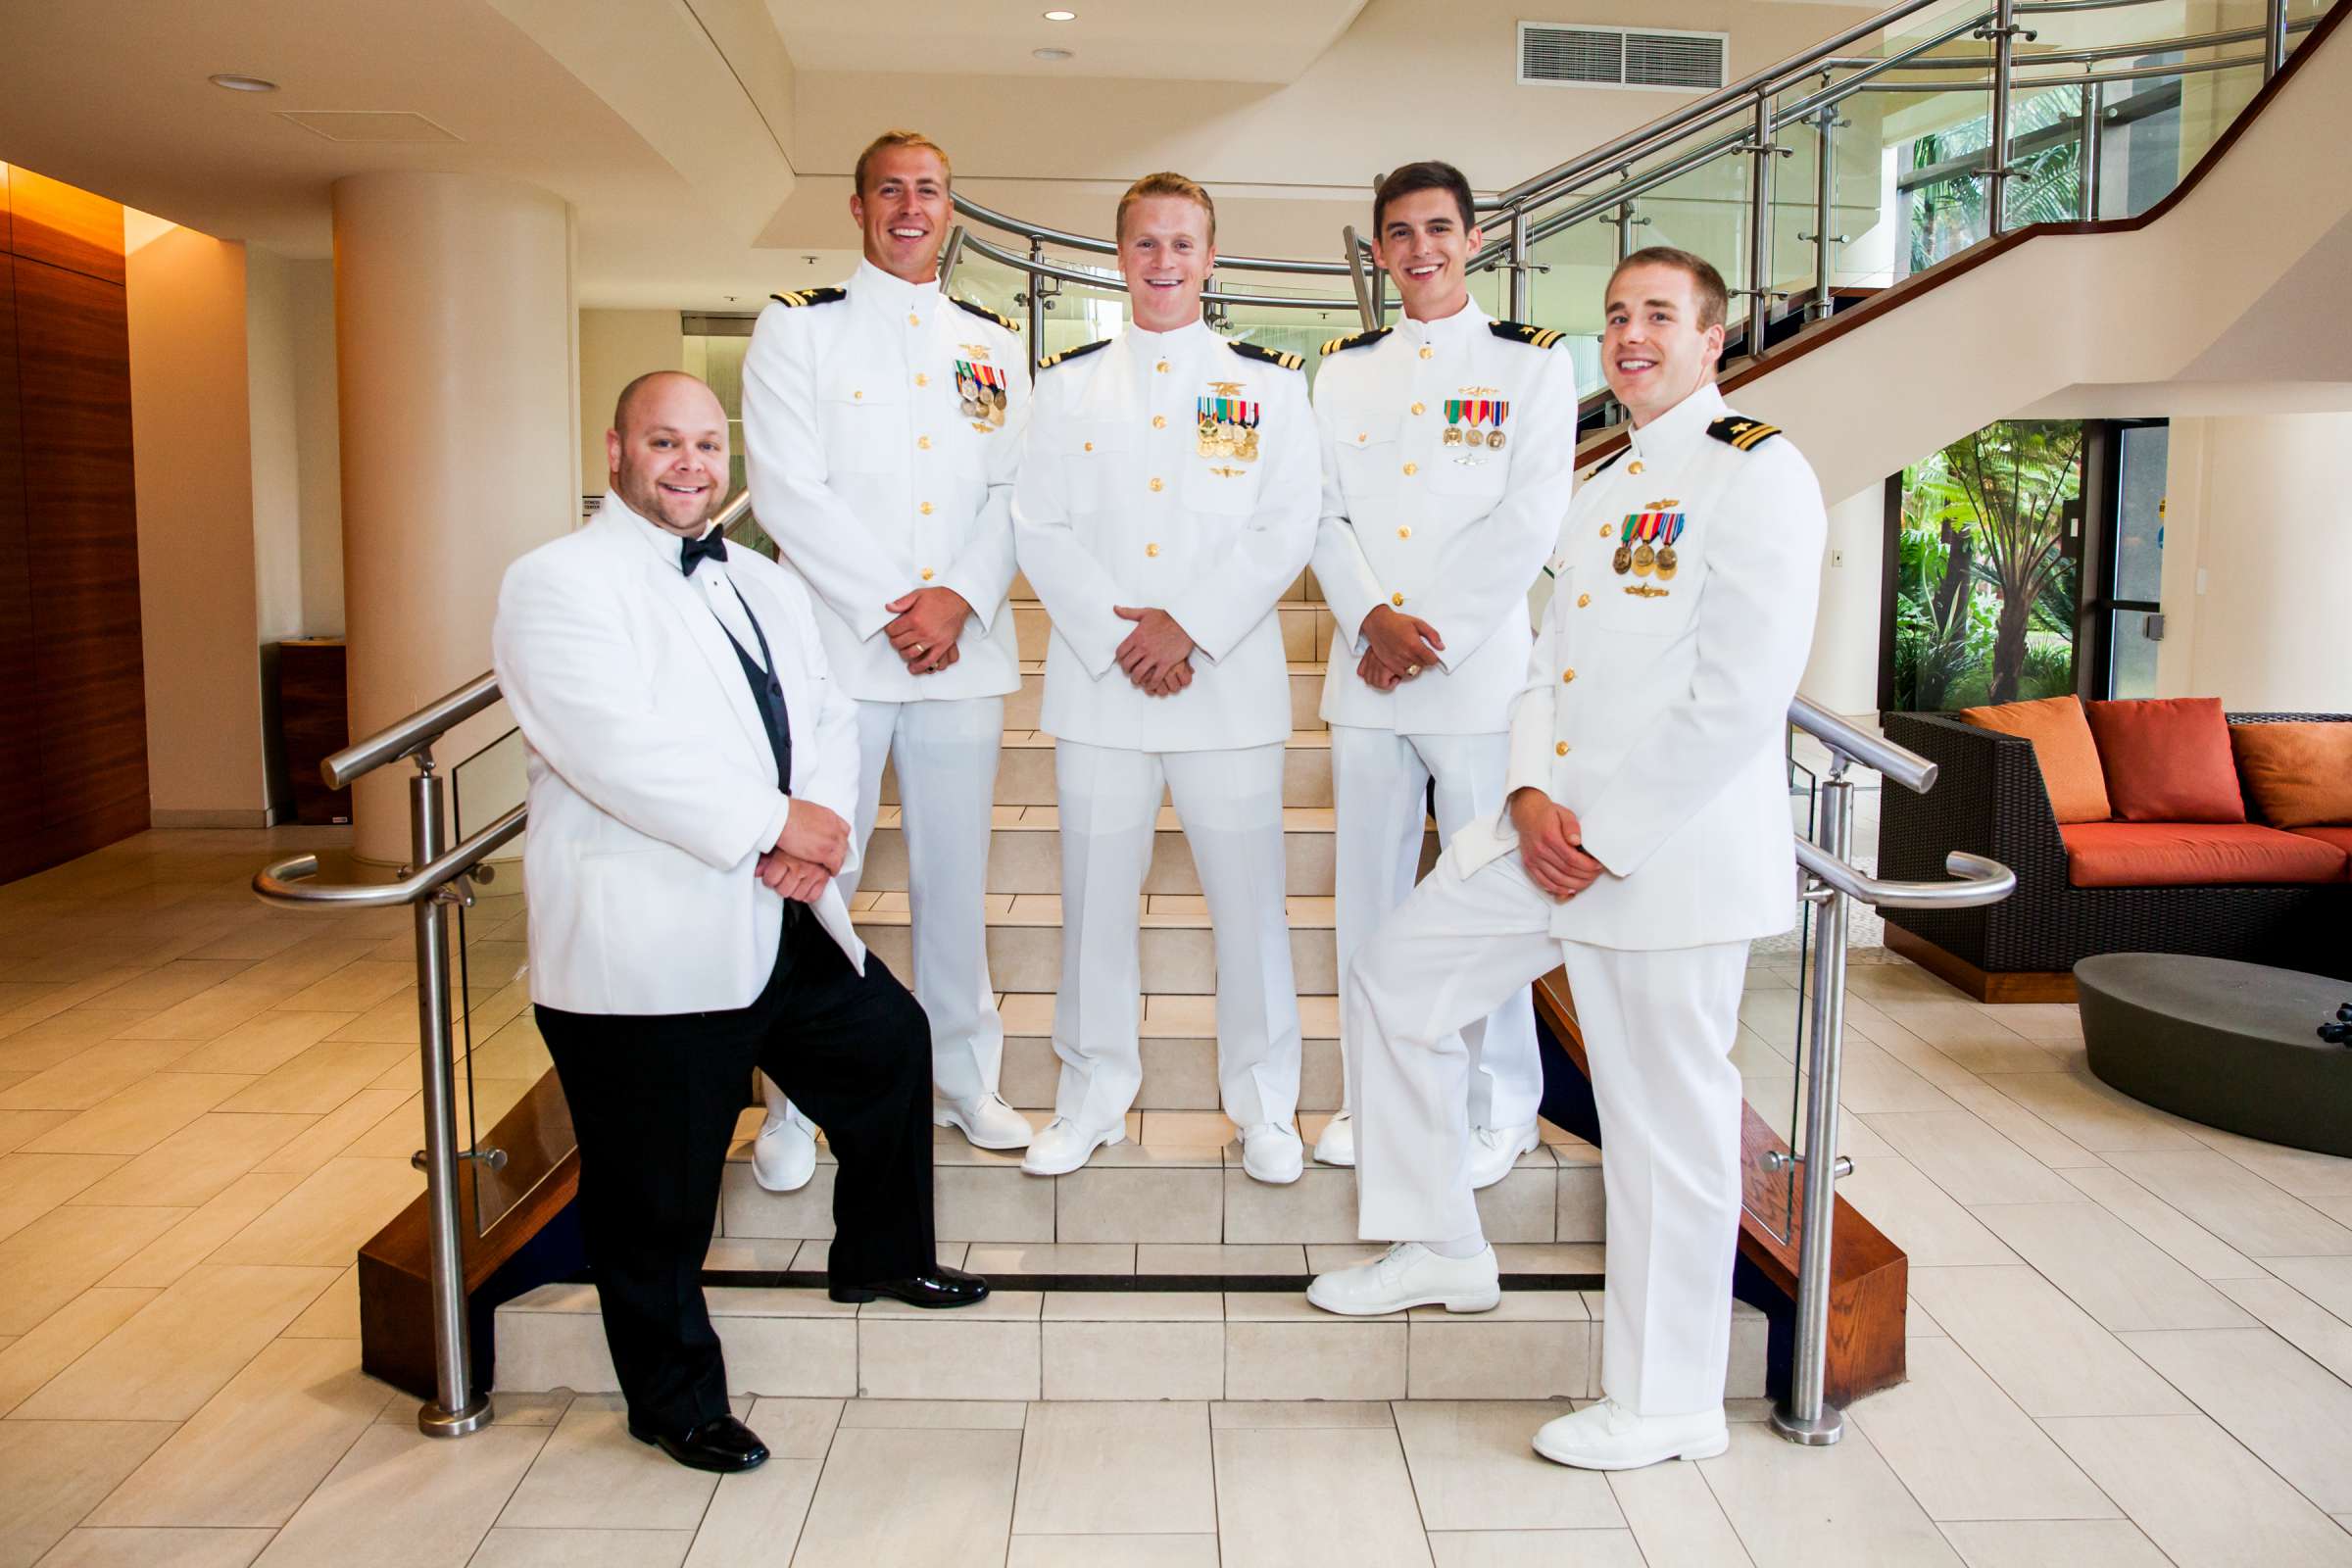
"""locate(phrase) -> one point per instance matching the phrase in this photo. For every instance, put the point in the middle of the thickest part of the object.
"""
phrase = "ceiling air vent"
(368, 125)
(1556, 54)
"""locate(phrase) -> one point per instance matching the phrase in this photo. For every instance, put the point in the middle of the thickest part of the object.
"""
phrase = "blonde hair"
(899, 138)
(1165, 184)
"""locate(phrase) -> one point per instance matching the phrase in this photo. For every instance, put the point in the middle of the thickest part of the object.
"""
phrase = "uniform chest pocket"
(864, 428)
(1095, 458)
(1222, 485)
(1478, 472)
(1368, 461)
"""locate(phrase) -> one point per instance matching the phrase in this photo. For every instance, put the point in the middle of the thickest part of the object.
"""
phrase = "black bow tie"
(693, 552)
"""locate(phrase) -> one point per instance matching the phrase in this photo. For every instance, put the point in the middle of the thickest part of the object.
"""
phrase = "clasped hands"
(1398, 648)
(1551, 845)
(809, 853)
(1157, 655)
(930, 619)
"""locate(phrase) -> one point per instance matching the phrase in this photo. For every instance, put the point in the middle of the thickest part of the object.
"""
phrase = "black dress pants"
(654, 1100)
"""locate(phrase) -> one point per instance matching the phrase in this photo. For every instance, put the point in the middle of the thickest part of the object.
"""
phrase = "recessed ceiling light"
(1061, 15)
(237, 83)
(1050, 54)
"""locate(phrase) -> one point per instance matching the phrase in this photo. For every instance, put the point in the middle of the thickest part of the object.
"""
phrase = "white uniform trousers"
(946, 751)
(1230, 802)
(1658, 1030)
(1379, 780)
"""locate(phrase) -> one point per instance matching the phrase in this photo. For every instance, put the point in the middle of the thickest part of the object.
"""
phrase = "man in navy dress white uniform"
(692, 769)
(1647, 841)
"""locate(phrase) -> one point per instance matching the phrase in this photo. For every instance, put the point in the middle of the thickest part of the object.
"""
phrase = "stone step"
(1025, 771)
(1180, 1055)
(1022, 708)
(1093, 1343)
(1024, 941)
(1306, 630)
(1183, 1189)
(1026, 852)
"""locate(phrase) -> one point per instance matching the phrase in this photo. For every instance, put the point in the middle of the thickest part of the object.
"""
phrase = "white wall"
(1842, 675)
(319, 444)
(275, 442)
(2258, 548)
(615, 348)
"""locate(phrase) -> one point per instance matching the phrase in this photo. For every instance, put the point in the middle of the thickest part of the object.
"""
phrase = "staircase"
(1159, 1271)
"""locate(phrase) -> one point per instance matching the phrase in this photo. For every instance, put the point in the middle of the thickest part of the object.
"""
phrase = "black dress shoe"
(725, 1445)
(937, 1285)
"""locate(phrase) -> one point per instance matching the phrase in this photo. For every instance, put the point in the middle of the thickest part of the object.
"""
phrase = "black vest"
(768, 695)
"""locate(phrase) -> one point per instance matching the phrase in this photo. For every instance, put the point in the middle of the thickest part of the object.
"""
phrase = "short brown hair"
(899, 138)
(1165, 184)
(1714, 300)
(1427, 176)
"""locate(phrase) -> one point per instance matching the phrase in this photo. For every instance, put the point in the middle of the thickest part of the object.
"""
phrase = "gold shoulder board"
(1743, 434)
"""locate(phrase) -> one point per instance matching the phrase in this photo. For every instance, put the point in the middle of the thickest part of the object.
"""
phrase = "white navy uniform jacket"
(652, 784)
(1453, 533)
(1655, 707)
(1118, 504)
(874, 480)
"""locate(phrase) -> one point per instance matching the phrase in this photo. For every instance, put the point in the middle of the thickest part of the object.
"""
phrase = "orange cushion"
(2167, 759)
(2163, 855)
(2301, 775)
(2341, 837)
(2061, 744)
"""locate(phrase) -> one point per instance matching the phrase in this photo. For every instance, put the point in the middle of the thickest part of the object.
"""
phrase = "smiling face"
(1165, 253)
(1425, 248)
(1653, 351)
(668, 452)
(903, 211)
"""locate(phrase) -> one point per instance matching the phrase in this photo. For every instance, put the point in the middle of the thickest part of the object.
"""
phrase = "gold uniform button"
(1151, 550)
(855, 396)
(1428, 353)
(925, 508)
(1633, 467)
(1089, 446)
(1567, 675)
(914, 319)
(1159, 421)
(1419, 407)
(1411, 469)
(1606, 530)
(920, 379)
(1404, 533)
(1157, 485)
(1397, 599)
(1161, 367)
(1582, 600)
(922, 443)
(1560, 748)
(926, 575)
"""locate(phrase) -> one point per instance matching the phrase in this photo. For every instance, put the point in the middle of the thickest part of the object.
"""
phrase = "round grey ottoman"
(2235, 1045)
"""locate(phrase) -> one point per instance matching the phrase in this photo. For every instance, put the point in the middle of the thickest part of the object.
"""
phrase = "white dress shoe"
(1494, 1151)
(1609, 1437)
(1409, 1274)
(1065, 1145)
(1271, 1154)
(784, 1154)
(986, 1123)
(1337, 1145)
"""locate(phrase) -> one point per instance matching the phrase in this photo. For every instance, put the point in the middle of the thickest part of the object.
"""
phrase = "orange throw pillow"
(2061, 744)
(2301, 775)
(2167, 759)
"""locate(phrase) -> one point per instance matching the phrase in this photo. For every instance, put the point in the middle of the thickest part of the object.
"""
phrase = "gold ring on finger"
(1412, 669)
(922, 649)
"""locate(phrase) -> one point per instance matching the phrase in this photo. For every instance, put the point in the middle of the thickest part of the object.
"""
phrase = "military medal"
(1623, 560)
(1245, 449)
(1669, 533)
(1454, 422)
(1645, 559)
(1502, 412)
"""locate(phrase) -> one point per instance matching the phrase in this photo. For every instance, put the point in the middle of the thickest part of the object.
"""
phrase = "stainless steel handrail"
(289, 882)
(1102, 247)
(1899, 763)
(1974, 880)
(1114, 283)
(405, 738)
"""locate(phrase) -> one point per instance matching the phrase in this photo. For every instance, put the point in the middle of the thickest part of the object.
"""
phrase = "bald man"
(693, 770)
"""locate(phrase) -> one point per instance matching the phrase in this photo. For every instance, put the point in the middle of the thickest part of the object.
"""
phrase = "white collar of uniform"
(661, 541)
(1147, 348)
(893, 294)
(1446, 331)
(1671, 434)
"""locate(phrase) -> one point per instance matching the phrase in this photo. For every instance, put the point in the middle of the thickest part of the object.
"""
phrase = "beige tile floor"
(2131, 1336)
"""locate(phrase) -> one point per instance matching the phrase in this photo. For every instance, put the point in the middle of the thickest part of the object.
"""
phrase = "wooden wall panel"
(66, 227)
(7, 246)
(20, 754)
(81, 544)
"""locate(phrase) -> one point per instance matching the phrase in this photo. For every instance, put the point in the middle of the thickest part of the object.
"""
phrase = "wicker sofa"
(1989, 798)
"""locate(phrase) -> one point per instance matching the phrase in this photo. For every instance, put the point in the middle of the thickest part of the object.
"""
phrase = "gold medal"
(1245, 449)
(1665, 563)
(1623, 560)
(1495, 439)
(1645, 560)
(972, 408)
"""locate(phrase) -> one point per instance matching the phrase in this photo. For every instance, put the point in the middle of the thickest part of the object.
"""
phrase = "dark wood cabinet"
(314, 717)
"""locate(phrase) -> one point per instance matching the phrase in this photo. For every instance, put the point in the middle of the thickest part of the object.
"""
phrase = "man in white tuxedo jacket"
(1647, 841)
(691, 771)
(881, 426)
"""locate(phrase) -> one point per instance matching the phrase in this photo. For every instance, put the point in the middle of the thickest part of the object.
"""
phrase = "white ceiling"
(1203, 40)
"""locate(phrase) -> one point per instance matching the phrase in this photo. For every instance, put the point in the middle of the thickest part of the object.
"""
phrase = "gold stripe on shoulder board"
(1754, 435)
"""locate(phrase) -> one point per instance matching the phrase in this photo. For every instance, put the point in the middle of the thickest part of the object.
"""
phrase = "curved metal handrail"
(1974, 880)
(288, 882)
(1899, 763)
(1112, 282)
(1040, 233)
